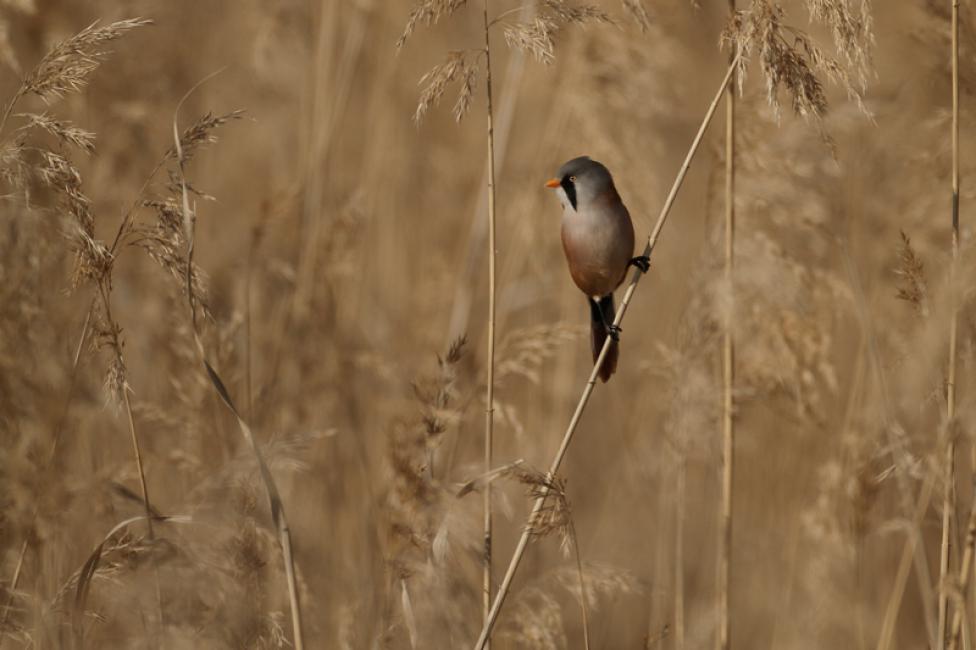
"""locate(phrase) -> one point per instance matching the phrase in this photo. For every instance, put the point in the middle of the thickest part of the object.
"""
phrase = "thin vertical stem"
(582, 585)
(679, 552)
(948, 502)
(248, 343)
(728, 369)
(490, 387)
(964, 575)
(137, 452)
(944, 549)
(887, 634)
(139, 467)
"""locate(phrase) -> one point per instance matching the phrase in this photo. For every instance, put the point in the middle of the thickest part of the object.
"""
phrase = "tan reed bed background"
(341, 292)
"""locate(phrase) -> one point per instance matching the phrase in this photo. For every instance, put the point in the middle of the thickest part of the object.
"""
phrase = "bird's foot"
(643, 262)
(613, 331)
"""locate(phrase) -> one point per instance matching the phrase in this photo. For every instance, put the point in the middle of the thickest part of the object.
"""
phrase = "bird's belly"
(597, 254)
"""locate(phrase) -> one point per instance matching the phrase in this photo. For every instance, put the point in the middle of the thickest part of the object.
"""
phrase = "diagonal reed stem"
(490, 387)
(591, 382)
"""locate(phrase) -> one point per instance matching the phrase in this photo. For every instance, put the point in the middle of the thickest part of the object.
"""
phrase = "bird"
(598, 240)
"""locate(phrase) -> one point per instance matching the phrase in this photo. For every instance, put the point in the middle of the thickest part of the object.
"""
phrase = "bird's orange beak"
(553, 182)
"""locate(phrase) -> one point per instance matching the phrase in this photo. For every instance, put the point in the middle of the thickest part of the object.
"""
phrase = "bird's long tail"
(601, 315)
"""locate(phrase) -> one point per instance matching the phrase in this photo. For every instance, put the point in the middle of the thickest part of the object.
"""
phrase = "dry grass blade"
(408, 616)
(271, 488)
(479, 482)
(83, 579)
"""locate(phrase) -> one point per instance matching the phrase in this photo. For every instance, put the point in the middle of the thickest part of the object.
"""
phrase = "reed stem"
(728, 369)
(948, 501)
(490, 384)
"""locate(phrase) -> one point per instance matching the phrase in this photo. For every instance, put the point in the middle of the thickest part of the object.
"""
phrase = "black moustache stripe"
(570, 190)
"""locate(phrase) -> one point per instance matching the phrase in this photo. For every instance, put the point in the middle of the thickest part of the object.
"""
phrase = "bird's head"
(581, 181)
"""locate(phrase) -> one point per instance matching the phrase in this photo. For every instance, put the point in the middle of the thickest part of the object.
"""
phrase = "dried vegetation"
(311, 256)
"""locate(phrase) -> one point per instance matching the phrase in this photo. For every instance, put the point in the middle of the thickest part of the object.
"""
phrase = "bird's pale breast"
(599, 242)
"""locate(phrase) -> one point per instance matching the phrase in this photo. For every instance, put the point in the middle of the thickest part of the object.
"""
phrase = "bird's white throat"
(564, 198)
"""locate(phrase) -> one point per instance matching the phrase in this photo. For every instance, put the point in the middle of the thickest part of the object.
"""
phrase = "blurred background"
(344, 251)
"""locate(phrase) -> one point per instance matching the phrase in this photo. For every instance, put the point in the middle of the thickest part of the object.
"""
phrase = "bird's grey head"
(580, 181)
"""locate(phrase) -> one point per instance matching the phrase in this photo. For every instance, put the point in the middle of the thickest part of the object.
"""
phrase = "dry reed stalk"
(591, 382)
(728, 367)
(582, 584)
(680, 505)
(109, 332)
(965, 573)
(948, 500)
(271, 488)
(490, 387)
(461, 303)
(136, 450)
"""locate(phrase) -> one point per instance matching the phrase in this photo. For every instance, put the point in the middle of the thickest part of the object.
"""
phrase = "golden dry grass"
(339, 281)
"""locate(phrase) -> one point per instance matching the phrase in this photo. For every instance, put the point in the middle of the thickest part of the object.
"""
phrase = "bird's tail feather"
(601, 315)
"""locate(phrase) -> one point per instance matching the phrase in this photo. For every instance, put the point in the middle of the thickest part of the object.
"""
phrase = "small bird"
(598, 239)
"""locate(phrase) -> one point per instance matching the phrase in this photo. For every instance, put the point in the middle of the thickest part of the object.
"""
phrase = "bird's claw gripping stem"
(613, 331)
(643, 262)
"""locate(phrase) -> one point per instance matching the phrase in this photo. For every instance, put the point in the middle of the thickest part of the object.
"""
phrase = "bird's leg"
(613, 331)
(643, 262)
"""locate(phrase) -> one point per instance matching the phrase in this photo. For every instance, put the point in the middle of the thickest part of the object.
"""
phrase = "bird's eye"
(572, 179)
